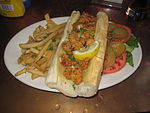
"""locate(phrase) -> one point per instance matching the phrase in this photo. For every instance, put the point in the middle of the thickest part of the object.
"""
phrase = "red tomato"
(119, 64)
(124, 39)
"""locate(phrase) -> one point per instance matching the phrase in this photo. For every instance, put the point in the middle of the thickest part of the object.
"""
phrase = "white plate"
(12, 52)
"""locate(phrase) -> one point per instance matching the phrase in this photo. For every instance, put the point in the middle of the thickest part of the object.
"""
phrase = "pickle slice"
(118, 47)
(119, 33)
(109, 57)
(111, 27)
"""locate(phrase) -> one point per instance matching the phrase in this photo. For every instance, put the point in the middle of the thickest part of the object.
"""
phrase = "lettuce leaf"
(133, 42)
(130, 46)
(129, 58)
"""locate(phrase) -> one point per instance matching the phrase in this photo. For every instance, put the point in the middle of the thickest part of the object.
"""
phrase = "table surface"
(129, 96)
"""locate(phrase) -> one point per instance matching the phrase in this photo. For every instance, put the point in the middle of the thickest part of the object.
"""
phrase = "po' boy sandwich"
(78, 62)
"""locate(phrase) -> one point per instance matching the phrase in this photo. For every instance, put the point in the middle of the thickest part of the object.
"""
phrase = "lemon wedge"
(88, 52)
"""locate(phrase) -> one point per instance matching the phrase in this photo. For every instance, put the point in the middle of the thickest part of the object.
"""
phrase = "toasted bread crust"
(91, 80)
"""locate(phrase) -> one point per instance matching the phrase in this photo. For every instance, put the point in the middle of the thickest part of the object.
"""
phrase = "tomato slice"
(119, 64)
(123, 40)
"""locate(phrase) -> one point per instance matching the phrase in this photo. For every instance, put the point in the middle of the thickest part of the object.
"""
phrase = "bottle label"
(7, 7)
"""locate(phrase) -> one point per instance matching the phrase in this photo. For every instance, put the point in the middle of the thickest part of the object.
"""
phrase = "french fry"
(56, 28)
(48, 54)
(34, 50)
(41, 61)
(27, 51)
(24, 70)
(29, 60)
(19, 60)
(36, 72)
(50, 22)
(58, 36)
(35, 54)
(50, 59)
(42, 51)
(37, 66)
(26, 58)
(23, 50)
(43, 66)
(39, 47)
(41, 28)
(34, 76)
(39, 33)
(29, 45)
(31, 39)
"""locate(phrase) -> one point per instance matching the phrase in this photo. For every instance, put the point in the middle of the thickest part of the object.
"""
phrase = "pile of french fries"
(38, 52)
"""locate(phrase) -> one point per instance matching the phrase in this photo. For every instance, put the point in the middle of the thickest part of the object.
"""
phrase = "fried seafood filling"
(81, 37)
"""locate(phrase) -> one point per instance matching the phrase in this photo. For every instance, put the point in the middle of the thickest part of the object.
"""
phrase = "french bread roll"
(92, 76)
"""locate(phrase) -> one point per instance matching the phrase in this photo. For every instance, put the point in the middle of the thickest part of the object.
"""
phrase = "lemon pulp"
(88, 52)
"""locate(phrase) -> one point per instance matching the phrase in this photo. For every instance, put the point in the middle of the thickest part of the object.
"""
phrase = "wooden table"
(129, 96)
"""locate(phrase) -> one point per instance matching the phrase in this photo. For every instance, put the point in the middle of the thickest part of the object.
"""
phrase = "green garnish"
(71, 57)
(133, 41)
(54, 40)
(78, 30)
(74, 86)
(68, 31)
(129, 58)
(50, 47)
(85, 30)
(46, 36)
(110, 32)
(92, 34)
(130, 46)
(86, 46)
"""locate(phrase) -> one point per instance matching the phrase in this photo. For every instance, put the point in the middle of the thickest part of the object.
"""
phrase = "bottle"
(12, 8)
(137, 10)
(26, 3)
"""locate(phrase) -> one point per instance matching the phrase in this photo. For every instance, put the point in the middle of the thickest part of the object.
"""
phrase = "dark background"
(130, 96)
